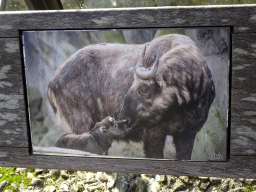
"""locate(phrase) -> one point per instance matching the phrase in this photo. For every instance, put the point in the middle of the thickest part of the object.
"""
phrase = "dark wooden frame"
(14, 139)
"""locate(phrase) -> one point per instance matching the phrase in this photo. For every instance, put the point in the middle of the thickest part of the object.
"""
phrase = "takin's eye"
(144, 90)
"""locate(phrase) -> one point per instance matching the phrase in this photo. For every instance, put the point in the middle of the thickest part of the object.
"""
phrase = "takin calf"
(98, 140)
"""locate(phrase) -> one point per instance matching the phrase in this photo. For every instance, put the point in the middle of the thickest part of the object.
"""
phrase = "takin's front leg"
(154, 141)
(184, 143)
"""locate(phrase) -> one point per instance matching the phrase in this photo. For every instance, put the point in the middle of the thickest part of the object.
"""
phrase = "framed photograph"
(162, 90)
(159, 93)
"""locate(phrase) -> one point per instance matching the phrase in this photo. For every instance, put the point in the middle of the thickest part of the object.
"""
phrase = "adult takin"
(163, 87)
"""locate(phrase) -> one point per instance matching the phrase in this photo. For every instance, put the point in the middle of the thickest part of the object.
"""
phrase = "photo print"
(133, 93)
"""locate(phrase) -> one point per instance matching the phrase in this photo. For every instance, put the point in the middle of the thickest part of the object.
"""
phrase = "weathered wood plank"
(241, 17)
(243, 99)
(13, 130)
(242, 166)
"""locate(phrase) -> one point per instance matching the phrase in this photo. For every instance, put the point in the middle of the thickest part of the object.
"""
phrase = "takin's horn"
(148, 73)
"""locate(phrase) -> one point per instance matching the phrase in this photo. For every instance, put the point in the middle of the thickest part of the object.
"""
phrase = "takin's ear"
(111, 120)
(103, 129)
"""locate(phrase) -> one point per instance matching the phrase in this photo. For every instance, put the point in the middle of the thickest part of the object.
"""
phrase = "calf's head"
(111, 128)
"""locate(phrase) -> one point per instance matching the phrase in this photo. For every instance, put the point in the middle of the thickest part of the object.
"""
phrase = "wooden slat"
(238, 167)
(13, 130)
(241, 17)
(243, 107)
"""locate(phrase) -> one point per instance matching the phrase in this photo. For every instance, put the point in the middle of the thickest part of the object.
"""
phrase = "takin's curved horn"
(148, 73)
